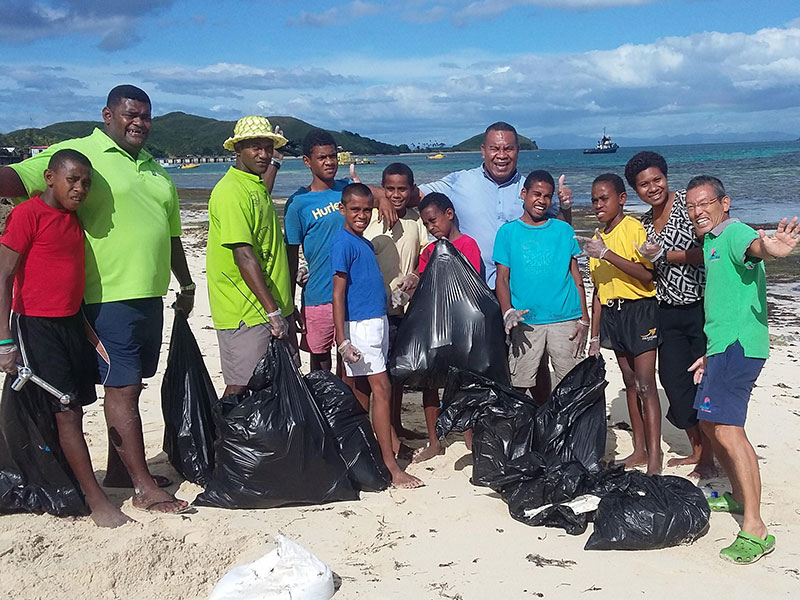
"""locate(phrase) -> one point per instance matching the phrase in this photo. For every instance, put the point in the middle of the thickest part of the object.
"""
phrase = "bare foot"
(704, 471)
(428, 452)
(410, 434)
(108, 515)
(124, 481)
(634, 460)
(684, 460)
(159, 501)
(401, 479)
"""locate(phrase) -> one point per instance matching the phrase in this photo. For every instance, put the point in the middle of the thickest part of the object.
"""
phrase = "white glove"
(399, 298)
(302, 275)
(408, 282)
(278, 324)
(512, 318)
(349, 352)
(650, 249)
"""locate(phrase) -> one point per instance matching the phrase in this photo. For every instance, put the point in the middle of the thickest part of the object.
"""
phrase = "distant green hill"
(474, 143)
(179, 134)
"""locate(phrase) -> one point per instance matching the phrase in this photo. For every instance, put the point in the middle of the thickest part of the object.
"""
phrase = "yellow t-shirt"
(397, 250)
(611, 283)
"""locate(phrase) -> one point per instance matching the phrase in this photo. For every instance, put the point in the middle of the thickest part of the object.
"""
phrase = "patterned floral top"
(676, 283)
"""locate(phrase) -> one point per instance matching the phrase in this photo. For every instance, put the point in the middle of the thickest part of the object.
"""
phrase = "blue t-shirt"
(538, 258)
(312, 219)
(365, 292)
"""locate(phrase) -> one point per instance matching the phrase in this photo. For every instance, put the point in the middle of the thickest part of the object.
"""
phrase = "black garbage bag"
(351, 428)
(453, 320)
(187, 395)
(646, 513)
(34, 474)
(273, 445)
(571, 426)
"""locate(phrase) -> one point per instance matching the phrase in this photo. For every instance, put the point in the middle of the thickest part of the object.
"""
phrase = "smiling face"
(357, 211)
(537, 199)
(397, 190)
(128, 124)
(705, 209)
(651, 186)
(69, 184)
(607, 202)
(253, 156)
(500, 151)
(323, 162)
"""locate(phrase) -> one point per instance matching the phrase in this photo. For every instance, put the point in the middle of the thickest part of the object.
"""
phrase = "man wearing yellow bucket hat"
(246, 263)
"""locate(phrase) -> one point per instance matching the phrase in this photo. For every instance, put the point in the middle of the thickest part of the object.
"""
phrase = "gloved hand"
(593, 246)
(594, 346)
(399, 298)
(278, 324)
(302, 275)
(9, 358)
(651, 249)
(408, 282)
(512, 318)
(349, 352)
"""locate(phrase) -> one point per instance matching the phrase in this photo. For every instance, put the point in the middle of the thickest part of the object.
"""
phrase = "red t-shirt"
(50, 278)
(467, 246)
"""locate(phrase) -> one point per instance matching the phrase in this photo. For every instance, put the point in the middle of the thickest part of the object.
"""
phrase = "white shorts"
(371, 338)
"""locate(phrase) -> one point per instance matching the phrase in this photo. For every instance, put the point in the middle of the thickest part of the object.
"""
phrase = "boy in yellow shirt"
(624, 317)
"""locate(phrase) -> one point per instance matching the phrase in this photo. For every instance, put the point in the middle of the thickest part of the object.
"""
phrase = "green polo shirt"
(129, 216)
(736, 291)
(241, 212)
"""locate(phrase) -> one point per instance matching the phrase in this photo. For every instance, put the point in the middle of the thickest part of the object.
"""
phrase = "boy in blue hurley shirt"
(313, 219)
(359, 312)
(540, 288)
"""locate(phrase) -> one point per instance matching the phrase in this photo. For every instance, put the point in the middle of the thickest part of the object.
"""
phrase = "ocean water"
(762, 179)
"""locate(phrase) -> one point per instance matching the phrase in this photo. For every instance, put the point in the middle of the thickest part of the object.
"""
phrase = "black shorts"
(57, 350)
(629, 326)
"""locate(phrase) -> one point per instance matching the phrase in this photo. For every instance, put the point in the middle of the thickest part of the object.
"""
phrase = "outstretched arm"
(777, 245)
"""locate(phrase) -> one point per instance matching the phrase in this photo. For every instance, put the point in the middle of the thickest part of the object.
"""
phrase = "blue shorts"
(128, 339)
(724, 392)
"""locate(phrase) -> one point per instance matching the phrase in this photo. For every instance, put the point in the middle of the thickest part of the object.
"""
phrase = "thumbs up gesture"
(564, 194)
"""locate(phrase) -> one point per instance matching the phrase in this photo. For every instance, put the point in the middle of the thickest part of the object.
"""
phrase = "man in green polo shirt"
(738, 344)
(132, 224)
(246, 261)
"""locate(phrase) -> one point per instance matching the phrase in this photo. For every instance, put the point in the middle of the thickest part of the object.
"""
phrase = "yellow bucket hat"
(249, 128)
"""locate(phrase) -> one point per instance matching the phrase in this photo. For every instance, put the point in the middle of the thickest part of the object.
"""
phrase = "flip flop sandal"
(747, 549)
(149, 508)
(726, 503)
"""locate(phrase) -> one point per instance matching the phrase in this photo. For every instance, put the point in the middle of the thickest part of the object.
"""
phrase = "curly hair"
(641, 161)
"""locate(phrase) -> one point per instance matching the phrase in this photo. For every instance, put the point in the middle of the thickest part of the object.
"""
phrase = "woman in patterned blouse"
(677, 255)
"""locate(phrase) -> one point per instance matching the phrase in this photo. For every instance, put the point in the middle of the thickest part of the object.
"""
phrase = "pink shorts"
(319, 335)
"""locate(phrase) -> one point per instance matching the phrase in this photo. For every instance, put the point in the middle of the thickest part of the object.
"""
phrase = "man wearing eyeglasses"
(738, 345)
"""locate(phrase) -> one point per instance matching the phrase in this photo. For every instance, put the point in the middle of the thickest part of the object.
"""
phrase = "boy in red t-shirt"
(42, 252)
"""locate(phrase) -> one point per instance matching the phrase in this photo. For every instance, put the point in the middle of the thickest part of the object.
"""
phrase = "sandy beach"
(447, 540)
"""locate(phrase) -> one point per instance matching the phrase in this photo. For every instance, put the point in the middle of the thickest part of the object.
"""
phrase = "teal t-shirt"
(538, 258)
(736, 291)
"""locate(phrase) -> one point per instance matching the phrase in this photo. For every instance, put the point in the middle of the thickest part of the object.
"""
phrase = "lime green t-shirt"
(736, 291)
(129, 216)
(241, 212)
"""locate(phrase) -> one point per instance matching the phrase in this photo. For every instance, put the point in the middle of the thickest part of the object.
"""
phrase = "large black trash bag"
(274, 447)
(187, 395)
(351, 427)
(34, 474)
(646, 513)
(453, 320)
(571, 426)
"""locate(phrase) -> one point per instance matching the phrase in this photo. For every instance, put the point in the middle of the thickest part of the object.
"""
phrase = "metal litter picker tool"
(24, 374)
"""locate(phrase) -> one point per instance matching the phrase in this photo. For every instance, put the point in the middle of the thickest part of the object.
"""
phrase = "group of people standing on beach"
(683, 287)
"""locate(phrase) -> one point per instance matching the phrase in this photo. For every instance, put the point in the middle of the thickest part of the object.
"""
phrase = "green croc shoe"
(725, 503)
(747, 549)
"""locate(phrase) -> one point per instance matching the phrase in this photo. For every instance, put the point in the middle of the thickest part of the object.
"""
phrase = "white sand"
(447, 540)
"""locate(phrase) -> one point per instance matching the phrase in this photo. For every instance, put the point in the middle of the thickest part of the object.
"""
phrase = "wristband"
(342, 345)
(191, 287)
(276, 163)
(505, 314)
(6, 342)
(603, 253)
(582, 322)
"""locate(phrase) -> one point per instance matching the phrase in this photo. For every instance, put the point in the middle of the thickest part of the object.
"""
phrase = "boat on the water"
(347, 158)
(437, 156)
(605, 145)
(189, 166)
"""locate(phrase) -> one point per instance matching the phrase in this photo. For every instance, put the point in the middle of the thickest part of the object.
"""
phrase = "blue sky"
(416, 70)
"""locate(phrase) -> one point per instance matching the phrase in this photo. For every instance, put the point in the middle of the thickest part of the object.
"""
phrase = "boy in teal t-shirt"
(738, 345)
(540, 288)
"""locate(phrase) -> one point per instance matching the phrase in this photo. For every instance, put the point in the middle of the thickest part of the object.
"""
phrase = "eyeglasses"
(702, 203)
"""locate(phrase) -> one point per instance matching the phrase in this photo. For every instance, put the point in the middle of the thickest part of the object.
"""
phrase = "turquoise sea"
(763, 179)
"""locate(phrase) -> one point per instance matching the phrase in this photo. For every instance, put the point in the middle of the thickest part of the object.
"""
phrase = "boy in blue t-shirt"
(312, 219)
(540, 288)
(359, 312)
